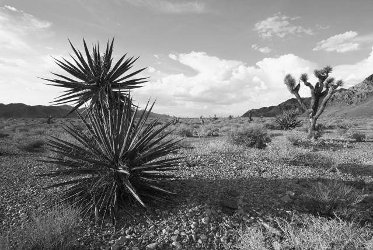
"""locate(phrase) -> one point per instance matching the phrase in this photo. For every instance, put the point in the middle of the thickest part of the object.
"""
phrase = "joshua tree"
(250, 115)
(321, 93)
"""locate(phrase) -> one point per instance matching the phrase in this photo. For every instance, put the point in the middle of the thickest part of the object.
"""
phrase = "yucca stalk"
(95, 78)
(118, 161)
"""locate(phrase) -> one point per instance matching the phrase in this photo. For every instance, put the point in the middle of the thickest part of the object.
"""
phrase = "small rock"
(175, 238)
(177, 245)
(121, 240)
(205, 220)
(129, 231)
(290, 193)
(203, 237)
(276, 245)
(152, 246)
(286, 198)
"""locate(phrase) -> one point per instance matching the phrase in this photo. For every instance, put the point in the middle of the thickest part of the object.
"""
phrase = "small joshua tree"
(321, 93)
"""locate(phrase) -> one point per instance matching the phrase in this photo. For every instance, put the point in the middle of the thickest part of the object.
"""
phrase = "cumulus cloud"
(352, 74)
(264, 50)
(169, 6)
(345, 42)
(221, 86)
(280, 25)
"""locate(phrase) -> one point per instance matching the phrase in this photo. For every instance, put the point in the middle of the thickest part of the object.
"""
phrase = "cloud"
(21, 37)
(352, 74)
(169, 6)
(16, 25)
(221, 86)
(280, 25)
(264, 50)
(340, 43)
(345, 42)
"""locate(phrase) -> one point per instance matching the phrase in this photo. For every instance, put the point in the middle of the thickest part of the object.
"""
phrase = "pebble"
(152, 246)
(203, 237)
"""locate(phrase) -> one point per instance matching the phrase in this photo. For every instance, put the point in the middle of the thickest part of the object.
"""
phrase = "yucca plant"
(288, 120)
(95, 77)
(118, 161)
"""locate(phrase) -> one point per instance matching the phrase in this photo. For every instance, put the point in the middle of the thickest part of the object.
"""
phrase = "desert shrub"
(309, 232)
(288, 120)
(208, 130)
(33, 146)
(312, 159)
(184, 131)
(252, 238)
(357, 136)
(271, 125)
(295, 139)
(3, 135)
(55, 228)
(305, 232)
(253, 136)
(332, 198)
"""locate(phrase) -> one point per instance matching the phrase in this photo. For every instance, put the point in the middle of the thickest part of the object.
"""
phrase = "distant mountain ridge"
(356, 101)
(20, 110)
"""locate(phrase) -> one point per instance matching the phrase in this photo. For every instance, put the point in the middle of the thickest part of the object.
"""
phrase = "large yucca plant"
(94, 77)
(120, 160)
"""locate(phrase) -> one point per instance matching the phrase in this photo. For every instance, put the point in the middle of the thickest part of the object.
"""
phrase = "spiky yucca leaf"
(119, 160)
(94, 77)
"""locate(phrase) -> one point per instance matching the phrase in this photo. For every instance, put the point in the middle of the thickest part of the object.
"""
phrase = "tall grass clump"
(358, 136)
(55, 228)
(254, 136)
(288, 120)
(332, 198)
(33, 146)
(184, 131)
(306, 232)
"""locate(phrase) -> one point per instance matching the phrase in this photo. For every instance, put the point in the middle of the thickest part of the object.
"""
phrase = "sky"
(206, 57)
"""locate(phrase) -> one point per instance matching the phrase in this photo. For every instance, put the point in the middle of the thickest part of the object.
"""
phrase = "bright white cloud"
(264, 50)
(352, 74)
(222, 86)
(169, 6)
(339, 43)
(280, 25)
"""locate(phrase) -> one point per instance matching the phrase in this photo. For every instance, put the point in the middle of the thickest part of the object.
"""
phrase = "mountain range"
(356, 101)
(20, 110)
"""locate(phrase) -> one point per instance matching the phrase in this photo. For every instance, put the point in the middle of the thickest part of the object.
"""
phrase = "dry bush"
(332, 198)
(32, 146)
(184, 131)
(253, 136)
(312, 159)
(305, 232)
(358, 136)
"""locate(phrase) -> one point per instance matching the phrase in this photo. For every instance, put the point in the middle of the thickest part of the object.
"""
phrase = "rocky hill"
(356, 101)
(20, 110)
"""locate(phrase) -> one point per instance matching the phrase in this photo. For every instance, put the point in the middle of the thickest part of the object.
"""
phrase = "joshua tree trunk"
(320, 95)
(312, 128)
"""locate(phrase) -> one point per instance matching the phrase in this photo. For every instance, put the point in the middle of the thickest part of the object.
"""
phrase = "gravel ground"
(221, 189)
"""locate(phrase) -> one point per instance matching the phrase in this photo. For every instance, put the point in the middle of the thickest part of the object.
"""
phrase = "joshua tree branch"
(325, 101)
(300, 101)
